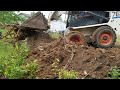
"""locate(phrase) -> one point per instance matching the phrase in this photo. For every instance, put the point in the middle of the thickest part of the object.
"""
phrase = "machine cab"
(84, 18)
(81, 18)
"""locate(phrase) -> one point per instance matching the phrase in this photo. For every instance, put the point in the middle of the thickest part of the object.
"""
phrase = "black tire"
(97, 37)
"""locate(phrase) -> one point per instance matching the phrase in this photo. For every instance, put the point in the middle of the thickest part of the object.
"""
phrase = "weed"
(66, 74)
(55, 67)
(62, 73)
(114, 73)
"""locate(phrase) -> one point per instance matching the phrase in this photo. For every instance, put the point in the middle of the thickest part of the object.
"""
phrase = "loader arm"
(54, 15)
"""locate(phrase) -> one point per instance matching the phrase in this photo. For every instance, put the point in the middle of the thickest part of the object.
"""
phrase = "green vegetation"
(63, 73)
(13, 63)
(55, 35)
(66, 74)
(5, 49)
(114, 73)
(10, 17)
(3, 31)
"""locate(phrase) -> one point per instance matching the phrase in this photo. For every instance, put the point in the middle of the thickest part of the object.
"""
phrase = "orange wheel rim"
(105, 38)
(75, 39)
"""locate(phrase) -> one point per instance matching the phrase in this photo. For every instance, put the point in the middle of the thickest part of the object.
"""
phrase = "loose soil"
(90, 62)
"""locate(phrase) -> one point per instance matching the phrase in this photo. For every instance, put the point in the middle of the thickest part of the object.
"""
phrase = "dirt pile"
(38, 39)
(88, 61)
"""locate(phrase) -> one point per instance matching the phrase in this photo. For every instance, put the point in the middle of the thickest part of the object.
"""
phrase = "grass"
(55, 35)
(3, 31)
(5, 49)
(13, 64)
(66, 74)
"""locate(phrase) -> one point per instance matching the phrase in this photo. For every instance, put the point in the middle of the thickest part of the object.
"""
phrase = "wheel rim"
(75, 39)
(105, 38)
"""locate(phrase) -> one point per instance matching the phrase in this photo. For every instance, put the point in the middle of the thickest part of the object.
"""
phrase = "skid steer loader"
(82, 27)
(96, 27)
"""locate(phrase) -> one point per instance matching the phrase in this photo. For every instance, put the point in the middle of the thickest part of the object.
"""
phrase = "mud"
(90, 62)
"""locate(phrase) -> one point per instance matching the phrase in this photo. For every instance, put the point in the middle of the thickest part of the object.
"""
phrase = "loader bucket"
(37, 21)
